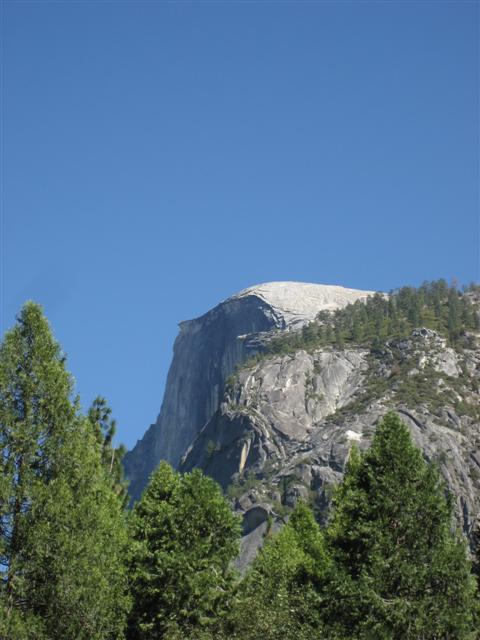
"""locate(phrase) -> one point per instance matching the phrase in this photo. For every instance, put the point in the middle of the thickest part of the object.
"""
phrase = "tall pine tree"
(281, 590)
(405, 572)
(185, 537)
(62, 530)
(104, 428)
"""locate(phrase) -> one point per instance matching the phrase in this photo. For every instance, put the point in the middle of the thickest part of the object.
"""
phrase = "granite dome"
(206, 352)
(301, 301)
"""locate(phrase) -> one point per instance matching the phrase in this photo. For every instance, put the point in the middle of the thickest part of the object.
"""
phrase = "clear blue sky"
(159, 157)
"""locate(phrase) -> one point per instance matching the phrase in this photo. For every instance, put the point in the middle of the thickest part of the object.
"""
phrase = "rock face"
(280, 428)
(206, 352)
(274, 408)
(286, 425)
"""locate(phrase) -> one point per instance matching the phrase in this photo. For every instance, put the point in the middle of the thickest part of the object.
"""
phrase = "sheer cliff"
(268, 391)
(206, 352)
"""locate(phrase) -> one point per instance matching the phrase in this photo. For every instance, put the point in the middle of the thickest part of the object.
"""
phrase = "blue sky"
(158, 157)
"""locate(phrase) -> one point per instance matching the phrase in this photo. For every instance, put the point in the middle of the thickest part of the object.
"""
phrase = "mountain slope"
(269, 390)
(287, 423)
(206, 352)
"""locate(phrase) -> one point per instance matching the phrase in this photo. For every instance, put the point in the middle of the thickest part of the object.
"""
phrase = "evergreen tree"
(476, 556)
(185, 537)
(454, 315)
(339, 343)
(433, 305)
(280, 592)
(62, 530)
(405, 574)
(104, 428)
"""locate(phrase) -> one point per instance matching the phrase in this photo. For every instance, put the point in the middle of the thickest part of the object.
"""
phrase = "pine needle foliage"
(405, 570)
(185, 538)
(62, 530)
(434, 305)
(280, 591)
(104, 428)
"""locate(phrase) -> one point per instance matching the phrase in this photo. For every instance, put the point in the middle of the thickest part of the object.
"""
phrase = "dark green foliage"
(104, 428)
(476, 556)
(404, 574)
(20, 625)
(390, 566)
(185, 537)
(62, 530)
(433, 305)
(278, 598)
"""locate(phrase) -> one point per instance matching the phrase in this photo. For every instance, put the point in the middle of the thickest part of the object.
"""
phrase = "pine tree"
(62, 530)
(280, 592)
(476, 556)
(185, 537)
(405, 573)
(104, 428)
(454, 315)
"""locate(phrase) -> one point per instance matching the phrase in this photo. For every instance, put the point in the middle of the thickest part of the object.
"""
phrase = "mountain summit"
(300, 302)
(207, 351)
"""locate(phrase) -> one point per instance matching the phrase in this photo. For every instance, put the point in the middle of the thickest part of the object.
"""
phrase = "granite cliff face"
(206, 352)
(287, 423)
(281, 427)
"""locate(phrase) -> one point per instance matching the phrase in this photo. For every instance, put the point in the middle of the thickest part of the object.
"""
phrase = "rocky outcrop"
(280, 429)
(286, 425)
(274, 409)
(206, 352)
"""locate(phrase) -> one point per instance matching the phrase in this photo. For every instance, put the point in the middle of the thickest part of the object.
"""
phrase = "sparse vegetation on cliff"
(370, 324)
